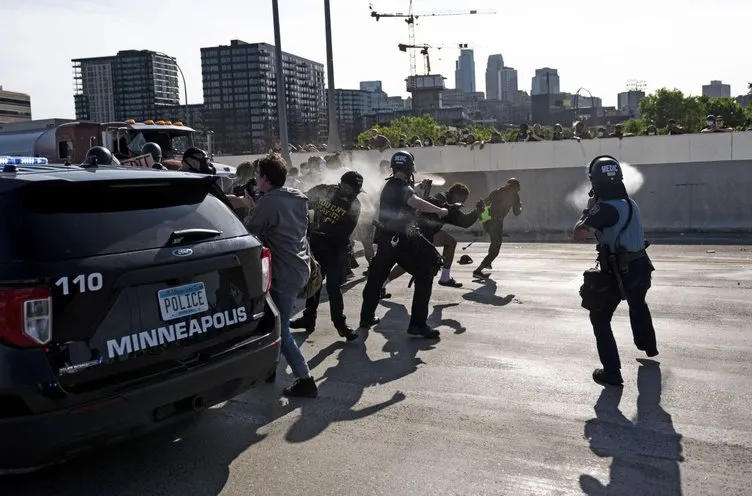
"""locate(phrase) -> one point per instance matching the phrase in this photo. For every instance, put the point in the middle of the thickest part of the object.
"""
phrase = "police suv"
(129, 298)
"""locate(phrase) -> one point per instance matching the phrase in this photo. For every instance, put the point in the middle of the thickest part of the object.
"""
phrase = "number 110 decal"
(86, 283)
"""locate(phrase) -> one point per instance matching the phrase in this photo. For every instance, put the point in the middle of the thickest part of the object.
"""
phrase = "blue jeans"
(290, 350)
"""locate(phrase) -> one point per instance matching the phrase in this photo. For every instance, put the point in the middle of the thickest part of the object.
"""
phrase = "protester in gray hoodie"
(280, 219)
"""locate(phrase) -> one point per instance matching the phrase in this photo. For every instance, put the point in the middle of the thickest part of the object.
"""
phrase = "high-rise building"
(629, 102)
(716, 89)
(508, 84)
(464, 74)
(352, 106)
(14, 107)
(240, 96)
(130, 85)
(545, 82)
(493, 76)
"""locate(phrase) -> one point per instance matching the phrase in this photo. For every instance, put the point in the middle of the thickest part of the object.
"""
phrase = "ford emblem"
(182, 252)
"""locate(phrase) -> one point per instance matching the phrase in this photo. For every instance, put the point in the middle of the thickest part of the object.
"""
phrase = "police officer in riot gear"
(625, 268)
(99, 155)
(197, 160)
(400, 242)
(155, 151)
(432, 228)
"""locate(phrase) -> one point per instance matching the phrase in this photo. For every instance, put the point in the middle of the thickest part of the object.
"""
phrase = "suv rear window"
(60, 220)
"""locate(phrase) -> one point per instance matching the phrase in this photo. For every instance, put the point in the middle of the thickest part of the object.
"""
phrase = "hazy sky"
(594, 44)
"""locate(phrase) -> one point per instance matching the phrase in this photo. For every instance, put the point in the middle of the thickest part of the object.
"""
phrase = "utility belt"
(599, 282)
(417, 255)
(622, 257)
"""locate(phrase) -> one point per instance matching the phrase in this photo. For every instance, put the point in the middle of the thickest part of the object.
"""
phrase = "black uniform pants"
(332, 258)
(636, 284)
(495, 230)
(418, 257)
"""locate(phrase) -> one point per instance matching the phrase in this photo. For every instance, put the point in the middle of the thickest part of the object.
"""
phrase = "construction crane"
(410, 18)
(424, 51)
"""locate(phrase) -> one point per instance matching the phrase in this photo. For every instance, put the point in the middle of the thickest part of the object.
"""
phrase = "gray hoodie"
(280, 220)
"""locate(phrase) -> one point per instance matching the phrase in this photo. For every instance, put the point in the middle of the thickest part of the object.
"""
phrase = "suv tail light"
(266, 268)
(26, 316)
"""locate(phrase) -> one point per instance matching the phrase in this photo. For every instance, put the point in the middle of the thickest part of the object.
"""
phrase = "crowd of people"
(308, 220)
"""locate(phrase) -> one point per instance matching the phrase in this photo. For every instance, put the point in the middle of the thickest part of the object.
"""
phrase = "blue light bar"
(23, 161)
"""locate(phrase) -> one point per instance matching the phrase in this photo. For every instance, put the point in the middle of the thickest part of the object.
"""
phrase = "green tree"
(666, 104)
(635, 126)
(423, 127)
(733, 113)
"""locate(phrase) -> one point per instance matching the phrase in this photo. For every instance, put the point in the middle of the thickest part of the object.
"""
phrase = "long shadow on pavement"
(341, 386)
(646, 452)
(486, 294)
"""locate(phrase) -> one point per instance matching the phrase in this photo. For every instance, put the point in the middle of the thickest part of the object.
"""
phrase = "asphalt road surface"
(503, 404)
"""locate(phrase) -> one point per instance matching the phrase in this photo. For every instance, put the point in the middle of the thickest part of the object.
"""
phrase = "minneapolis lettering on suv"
(140, 341)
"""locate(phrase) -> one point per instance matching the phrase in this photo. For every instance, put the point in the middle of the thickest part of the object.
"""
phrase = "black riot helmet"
(99, 155)
(606, 177)
(605, 169)
(154, 150)
(403, 161)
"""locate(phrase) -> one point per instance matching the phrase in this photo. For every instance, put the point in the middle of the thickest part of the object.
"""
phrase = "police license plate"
(182, 301)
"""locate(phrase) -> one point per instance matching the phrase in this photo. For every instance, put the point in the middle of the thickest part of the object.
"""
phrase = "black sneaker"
(303, 323)
(607, 378)
(302, 388)
(450, 283)
(346, 332)
(423, 331)
(480, 274)
(384, 295)
(367, 324)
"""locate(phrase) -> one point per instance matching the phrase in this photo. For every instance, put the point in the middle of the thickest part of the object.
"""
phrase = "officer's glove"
(480, 206)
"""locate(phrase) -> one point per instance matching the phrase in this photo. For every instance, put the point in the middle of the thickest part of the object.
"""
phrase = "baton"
(615, 270)
(468, 245)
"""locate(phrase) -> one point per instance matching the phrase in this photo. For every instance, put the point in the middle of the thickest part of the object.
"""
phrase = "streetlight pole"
(281, 101)
(333, 143)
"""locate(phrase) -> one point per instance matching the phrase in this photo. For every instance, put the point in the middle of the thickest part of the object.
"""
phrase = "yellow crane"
(410, 18)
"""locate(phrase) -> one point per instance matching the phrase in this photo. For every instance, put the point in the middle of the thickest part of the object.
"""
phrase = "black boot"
(384, 295)
(608, 378)
(423, 331)
(346, 331)
(304, 322)
(367, 324)
(302, 388)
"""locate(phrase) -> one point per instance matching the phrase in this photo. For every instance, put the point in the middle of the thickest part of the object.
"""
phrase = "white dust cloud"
(633, 180)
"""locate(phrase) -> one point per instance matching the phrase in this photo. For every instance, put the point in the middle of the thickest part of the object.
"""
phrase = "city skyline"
(602, 68)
